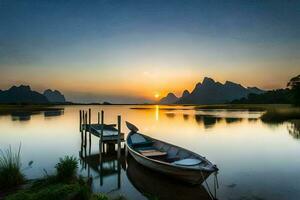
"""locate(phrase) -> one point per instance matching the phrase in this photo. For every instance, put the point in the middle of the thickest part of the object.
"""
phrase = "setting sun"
(156, 95)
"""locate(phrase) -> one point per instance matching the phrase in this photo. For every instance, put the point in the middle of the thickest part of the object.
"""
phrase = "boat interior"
(164, 152)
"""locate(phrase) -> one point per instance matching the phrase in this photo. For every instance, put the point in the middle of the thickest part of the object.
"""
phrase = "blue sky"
(127, 51)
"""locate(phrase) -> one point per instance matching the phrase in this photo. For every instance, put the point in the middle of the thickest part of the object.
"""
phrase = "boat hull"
(190, 176)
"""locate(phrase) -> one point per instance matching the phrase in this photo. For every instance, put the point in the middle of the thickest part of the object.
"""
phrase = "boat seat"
(152, 153)
(138, 140)
(145, 148)
(187, 162)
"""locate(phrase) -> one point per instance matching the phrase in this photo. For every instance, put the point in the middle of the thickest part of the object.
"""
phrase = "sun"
(156, 95)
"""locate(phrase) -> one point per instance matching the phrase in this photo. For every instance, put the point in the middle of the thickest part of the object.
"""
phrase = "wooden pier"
(109, 135)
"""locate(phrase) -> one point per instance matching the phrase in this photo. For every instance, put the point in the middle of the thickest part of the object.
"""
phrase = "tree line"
(289, 95)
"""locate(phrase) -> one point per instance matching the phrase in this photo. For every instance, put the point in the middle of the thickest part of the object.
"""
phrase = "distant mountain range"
(211, 92)
(24, 94)
(54, 96)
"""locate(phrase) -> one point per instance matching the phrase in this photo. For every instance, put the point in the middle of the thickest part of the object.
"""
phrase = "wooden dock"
(109, 135)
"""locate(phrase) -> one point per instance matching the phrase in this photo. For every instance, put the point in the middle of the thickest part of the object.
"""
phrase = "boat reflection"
(157, 186)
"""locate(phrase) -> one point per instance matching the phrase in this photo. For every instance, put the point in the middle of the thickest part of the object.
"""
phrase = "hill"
(22, 94)
(212, 92)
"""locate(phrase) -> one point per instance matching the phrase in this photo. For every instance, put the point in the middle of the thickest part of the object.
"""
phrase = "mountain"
(255, 90)
(212, 92)
(185, 94)
(54, 96)
(21, 94)
(169, 99)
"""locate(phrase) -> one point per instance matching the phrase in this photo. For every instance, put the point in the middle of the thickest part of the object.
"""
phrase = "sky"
(127, 51)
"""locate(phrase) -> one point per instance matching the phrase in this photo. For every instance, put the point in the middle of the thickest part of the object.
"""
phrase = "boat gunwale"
(212, 169)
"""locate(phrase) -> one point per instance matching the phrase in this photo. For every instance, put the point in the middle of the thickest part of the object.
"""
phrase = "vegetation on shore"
(10, 169)
(64, 185)
(290, 95)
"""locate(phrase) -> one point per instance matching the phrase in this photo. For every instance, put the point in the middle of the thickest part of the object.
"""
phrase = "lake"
(256, 160)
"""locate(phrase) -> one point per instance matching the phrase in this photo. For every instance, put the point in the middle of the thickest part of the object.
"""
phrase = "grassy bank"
(65, 184)
(10, 169)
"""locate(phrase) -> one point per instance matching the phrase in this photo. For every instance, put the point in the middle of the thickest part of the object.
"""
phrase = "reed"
(67, 168)
(10, 168)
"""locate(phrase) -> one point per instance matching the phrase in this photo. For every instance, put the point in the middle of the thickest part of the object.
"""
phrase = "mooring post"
(80, 120)
(85, 132)
(81, 131)
(119, 151)
(101, 135)
(98, 117)
(119, 136)
(90, 135)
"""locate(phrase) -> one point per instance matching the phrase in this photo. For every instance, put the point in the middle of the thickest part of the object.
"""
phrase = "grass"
(64, 185)
(67, 168)
(10, 169)
(57, 191)
(104, 197)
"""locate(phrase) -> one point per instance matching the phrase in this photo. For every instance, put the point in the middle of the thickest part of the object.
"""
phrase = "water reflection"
(170, 115)
(237, 141)
(22, 116)
(294, 129)
(26, 115)
(53, 113)
(230, 120)
(186, 117)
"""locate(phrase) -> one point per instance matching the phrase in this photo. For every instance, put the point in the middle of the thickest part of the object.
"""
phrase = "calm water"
(256, 160)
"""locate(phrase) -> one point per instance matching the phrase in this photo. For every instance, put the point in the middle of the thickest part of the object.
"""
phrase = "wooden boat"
(174, 161)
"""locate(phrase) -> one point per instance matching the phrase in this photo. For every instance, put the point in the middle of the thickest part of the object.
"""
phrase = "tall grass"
(67, 168)
(10, 168)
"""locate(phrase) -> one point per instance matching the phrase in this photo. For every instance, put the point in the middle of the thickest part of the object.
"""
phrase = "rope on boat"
(216, 183)
(208, 189)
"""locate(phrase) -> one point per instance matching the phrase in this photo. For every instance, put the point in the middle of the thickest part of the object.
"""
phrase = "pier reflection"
(109, 167)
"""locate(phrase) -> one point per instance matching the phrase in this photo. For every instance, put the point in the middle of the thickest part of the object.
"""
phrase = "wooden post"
(101, 135)
(119, 151)
(100, 148)
(90, 135)
(81, 131)
(85, 132)
(98, 117)
(119, 136)
(80, 118)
